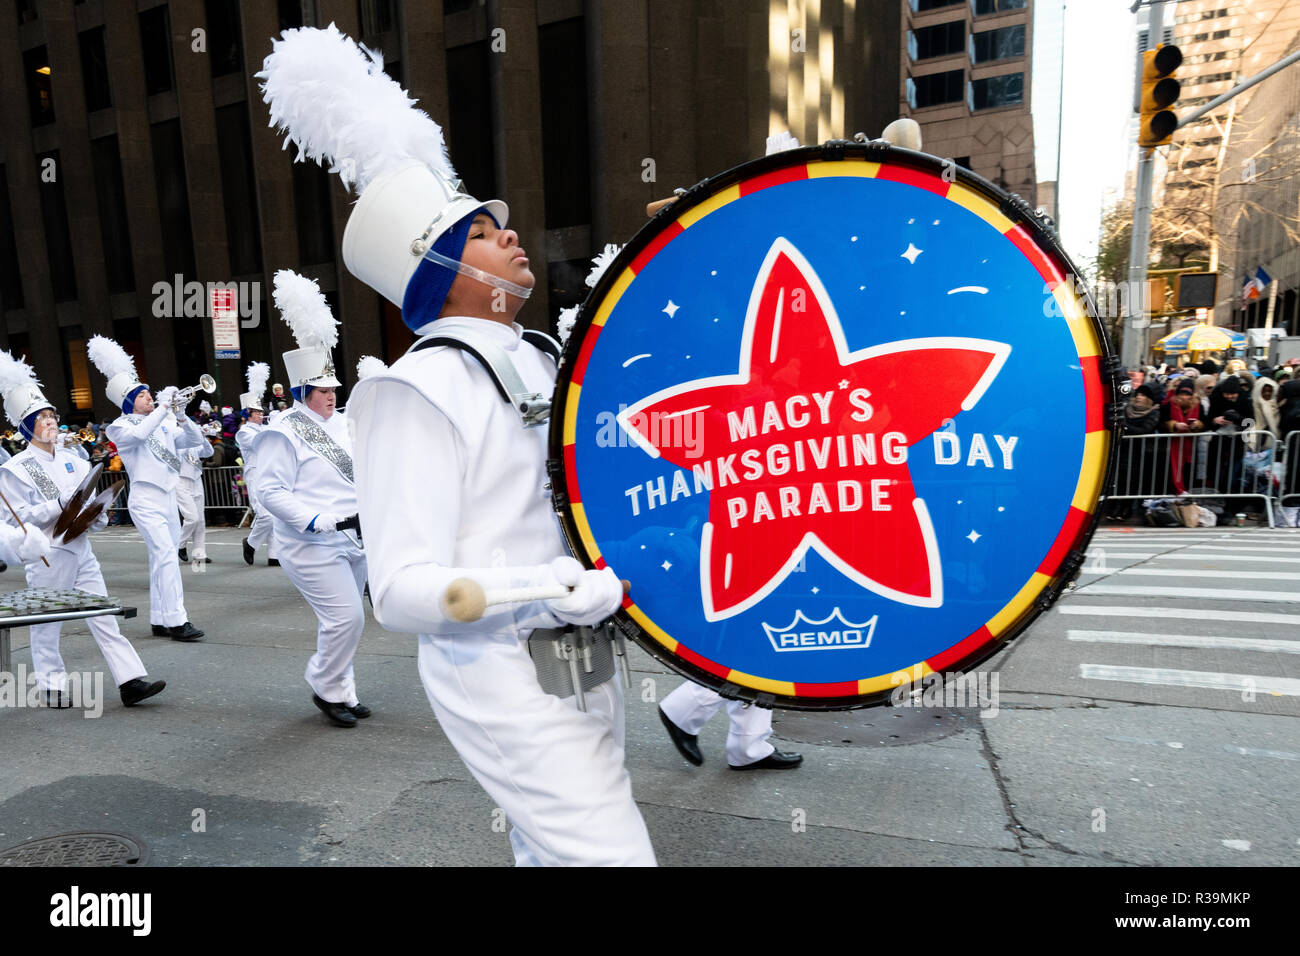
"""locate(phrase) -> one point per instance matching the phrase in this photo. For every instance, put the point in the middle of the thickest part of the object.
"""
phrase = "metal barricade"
(1214, 464)
(1288, 492)
(223, 489)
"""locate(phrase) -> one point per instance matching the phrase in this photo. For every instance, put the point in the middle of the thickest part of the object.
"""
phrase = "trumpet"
(184, 396)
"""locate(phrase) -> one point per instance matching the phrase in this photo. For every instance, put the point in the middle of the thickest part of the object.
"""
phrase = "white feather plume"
(565, 328)
(601, 262)
(338, 106)
(302, 305)
(15, 372)
(109, 357)
(258, 373)
(368, 365)
(780, 142)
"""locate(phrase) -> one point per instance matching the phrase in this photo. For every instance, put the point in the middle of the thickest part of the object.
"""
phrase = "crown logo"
(832, 633)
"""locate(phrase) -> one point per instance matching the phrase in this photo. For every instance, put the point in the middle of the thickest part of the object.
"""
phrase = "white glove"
(165, 396)
(323, 524)
(33, 546)
(595, 595)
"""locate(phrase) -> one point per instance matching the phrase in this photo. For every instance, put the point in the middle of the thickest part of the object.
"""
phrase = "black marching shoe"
(57, 699)
(249, 553)
(688, 745)
(337, 714)
(182, 632)
(134, 691)
(184, 555)
(272, 563)
(359, 711)
(776, 760)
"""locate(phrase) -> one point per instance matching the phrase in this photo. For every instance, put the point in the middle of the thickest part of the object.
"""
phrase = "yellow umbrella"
(1197, 338)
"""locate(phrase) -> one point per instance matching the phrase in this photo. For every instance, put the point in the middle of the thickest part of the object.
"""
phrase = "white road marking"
(1206, 680)
(1195, 594)
(1236, 558)
(1252, 752)
(1185, 640)
(1172, 744)
(1205, 573)
(1185, 613)
(1242, 845)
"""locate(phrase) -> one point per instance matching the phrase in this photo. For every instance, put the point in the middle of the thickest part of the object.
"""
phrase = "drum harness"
(573, 659)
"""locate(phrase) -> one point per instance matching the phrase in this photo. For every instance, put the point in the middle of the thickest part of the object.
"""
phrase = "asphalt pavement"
(1148, 719)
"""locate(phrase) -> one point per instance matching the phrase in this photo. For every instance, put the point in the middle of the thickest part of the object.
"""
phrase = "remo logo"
(838, 420)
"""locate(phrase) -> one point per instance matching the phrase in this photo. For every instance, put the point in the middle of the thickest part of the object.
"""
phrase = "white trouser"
(260, 534)
(153, 511)
(331, 579)
(194, 527)
(556, 772)
(77, 569)
(690, 707)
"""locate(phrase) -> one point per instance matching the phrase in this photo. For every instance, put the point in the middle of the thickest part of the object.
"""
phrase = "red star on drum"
(807, 445)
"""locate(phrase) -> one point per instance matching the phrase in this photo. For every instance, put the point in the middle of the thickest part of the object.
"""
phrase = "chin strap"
(485, 277)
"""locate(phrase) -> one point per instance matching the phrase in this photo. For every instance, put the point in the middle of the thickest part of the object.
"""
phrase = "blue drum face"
(839, 421)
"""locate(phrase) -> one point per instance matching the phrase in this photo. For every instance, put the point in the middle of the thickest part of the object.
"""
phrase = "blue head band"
(428, 288)
(128, 403)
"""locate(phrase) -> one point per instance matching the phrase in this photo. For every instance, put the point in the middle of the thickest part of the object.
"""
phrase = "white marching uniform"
(72, 565)
(296, 484)
(690, 707)
(191, 502)
(152, 503)
(451, 484)
(260, 534)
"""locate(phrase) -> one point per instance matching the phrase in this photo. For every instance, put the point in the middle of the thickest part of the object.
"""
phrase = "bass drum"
(839, 415)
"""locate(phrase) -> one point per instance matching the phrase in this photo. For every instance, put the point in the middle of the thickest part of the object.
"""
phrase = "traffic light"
(1160, 89)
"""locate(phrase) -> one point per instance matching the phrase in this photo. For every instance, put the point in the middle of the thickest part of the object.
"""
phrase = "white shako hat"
(117, 366)
(336, 104)
(258, 373)
(22, 392)
(303, 307)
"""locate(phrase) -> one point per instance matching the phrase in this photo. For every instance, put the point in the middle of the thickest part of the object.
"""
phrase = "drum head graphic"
(838, 415)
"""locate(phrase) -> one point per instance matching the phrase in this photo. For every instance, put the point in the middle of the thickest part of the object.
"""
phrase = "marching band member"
(192, 503)
(450, 483)
(246, 438)
(37, 483)
(147, 437)
(305, 481)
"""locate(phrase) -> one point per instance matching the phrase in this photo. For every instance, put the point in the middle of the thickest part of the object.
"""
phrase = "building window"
(942, 39)
(156, 46)
(76, 368)
(469, 95)
(111, 198)
(311, 208)
(936, 88)
(375, 16)
(998, 44)
(225, 54)
(94, 70)
(290, 14)
(238, 189)
(921, 6)
(997, 6)
(11, 276)
(173, 200)
(565, 147)
(127, 333)
(40, 97)
(58, 238)
(1005, 90)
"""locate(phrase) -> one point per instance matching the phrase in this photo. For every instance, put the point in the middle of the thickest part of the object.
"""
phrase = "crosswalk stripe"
(1179, 613)
(1186, 640)
(1205, 573)
(1199, 556)
(1226, 550)
(1206, 680)
(1195, 594)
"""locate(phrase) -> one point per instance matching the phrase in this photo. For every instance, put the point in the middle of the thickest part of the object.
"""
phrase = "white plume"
(15, 372)
(565, 328)
(601, 262)
(369, 365)
(338, 106)
(258, 373)
(109, 357)
(302, 305)
(780, 142)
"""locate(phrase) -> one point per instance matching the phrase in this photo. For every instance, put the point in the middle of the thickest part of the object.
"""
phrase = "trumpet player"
(37, 483)
(148, 437)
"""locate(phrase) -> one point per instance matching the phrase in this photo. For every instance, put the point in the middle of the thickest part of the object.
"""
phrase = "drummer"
(478, 508)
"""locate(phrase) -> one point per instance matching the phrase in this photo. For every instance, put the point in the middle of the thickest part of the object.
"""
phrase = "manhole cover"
(873, 726)
(77, 849)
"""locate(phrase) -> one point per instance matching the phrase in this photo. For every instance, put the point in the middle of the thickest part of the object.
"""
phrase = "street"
(1148, 719)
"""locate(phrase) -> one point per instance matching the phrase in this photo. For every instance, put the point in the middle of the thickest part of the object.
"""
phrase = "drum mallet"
(466, 600)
